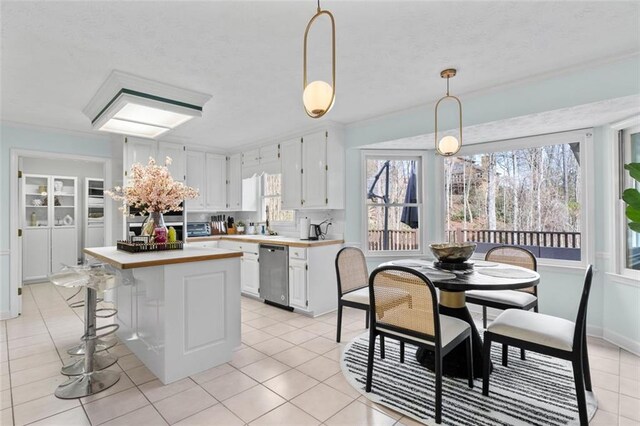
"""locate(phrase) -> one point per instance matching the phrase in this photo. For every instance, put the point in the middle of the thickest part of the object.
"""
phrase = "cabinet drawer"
(249, 248)
(297, 253)
(239, 246)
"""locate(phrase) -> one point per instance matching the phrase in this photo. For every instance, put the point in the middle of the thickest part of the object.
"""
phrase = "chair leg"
(580, 394)
(370, 359)
(469, 362)
(382, 353)
(585, 363)
(505, 355)
(366, 320)
(486, 364)
(484, 317)
(401, 352)
(438, 368)
(339, 322)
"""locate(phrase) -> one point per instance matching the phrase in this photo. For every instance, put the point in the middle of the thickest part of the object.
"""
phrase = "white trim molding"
(621, 341)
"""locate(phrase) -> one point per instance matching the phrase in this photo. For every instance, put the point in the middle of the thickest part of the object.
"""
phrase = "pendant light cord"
(319, 6)
(447, 82)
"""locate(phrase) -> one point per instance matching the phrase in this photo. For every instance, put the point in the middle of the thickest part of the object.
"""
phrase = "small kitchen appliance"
(198, 229)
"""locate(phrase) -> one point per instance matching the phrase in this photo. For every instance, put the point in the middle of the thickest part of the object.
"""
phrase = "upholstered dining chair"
(526, 298)
(547, 335)
(418, 323)
(353, 286)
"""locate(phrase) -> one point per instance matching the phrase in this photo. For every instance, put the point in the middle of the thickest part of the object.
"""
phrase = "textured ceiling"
(248, 55)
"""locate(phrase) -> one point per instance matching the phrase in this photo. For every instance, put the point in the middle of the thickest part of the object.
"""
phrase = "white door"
(234, 172)
(251, 158)
(291, 156)
(196, 179)
(298, 284)
(216, 187)
(269, 154)
(36, 254)
(64, 248)
(137, 151)
(176, 152)
(314, 177)
(250, 274)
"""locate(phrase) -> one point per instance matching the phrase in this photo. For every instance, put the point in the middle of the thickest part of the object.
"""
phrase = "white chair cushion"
(450, 328)
(358, 296)
(507, 297)
(391, 297)
(533, 327)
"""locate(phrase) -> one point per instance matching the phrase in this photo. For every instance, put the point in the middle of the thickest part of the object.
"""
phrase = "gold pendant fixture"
(449, 145)
(318, 96)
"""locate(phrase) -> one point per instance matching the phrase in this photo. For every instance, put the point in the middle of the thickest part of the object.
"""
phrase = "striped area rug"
(537, 391)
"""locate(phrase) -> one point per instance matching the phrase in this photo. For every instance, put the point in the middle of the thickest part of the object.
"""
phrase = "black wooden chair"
(418, 323)
(526, 298)
(547, 335)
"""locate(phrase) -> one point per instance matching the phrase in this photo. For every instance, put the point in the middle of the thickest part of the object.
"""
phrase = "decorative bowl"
(453, 252)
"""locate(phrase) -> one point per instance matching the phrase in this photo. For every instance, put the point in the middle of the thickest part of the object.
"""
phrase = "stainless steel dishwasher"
(274, 275)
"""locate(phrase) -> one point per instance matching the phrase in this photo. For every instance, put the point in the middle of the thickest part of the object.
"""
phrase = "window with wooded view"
(526, 197)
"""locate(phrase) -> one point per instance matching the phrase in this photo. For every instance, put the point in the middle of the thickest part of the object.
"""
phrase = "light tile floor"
(285, 373)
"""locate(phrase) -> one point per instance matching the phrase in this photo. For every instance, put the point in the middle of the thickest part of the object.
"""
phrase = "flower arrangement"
(151, 189)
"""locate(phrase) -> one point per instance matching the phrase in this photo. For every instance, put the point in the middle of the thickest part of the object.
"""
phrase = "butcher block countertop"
(268, 239)
(124, 260)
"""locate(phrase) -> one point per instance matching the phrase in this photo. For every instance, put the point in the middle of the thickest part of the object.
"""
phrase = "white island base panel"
(181, 319)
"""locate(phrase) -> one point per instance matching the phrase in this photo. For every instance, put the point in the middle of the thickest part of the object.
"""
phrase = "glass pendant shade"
(448, 145)
(318, 97)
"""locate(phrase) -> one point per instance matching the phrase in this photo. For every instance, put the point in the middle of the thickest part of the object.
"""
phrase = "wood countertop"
(272, 239)
(124, 260)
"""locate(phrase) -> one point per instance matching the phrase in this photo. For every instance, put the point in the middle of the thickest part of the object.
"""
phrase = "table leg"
(455, 362)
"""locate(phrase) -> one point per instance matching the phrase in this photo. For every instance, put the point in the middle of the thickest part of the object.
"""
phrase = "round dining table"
(453, 285)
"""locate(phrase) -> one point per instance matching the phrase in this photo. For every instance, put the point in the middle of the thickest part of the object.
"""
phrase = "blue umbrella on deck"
(410, 214)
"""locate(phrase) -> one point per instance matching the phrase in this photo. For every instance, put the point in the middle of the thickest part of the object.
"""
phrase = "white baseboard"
(594, 331)
(622, 341)
(5, 315)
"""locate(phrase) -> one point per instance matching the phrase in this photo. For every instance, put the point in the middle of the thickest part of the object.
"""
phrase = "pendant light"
(318, 96)
(449, 145)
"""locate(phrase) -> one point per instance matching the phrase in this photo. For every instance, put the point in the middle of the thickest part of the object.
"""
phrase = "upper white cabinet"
(175, 151)
(216, 182)
(264, 155)
(251, 158)
(234, 182)
(139, 150)
(196, 179)
(313, 172)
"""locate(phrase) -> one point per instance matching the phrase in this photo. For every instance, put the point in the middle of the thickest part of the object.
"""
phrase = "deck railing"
(398, 239)
(561, 239)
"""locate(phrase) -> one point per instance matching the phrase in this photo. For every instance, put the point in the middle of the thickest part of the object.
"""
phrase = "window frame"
(420, 180)
(582, 136)
(623, 181)
(263, 203)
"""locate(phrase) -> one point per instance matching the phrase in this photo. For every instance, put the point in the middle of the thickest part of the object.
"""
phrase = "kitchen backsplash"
(336, 230)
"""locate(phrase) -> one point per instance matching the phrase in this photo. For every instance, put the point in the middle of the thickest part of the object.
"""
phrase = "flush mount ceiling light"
(134, 106)
(318, 96)
(449, 145)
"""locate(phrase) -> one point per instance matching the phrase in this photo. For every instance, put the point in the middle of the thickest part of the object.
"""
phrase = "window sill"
(624, 279)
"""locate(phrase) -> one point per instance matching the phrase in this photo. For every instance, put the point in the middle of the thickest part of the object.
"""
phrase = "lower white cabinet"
(298, 284)
(64, 248)
(250, 274)
(36, 256)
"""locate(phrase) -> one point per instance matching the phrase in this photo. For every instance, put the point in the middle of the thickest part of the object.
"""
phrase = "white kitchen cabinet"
(137, 151)
(216, 182)
(298, 284)
(234, 186)
(250, 274)
(291, 191)
(196, 179)
(36, 254)
(176, 152)
(313, 172)
(64, 247)
(269, 154)
(251, 158)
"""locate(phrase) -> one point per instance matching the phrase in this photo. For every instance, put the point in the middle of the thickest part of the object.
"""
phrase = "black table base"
(455, 362)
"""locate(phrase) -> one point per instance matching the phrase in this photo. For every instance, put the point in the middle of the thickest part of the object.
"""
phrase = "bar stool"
(101, 343)
(88, 379)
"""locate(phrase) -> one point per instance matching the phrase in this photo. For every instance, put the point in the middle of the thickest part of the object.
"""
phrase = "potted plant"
(240, 227)
(631, 196)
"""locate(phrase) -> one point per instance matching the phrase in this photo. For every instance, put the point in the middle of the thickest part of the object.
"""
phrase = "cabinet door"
(298, 284)
(314, 164)
(64, 248)
(176, 153)
(234, 172)
(216, 187)
(250, 274)
(196, 179)
(269, 154)
(251, 158)
(137, 151)
(36, 260)
(291, 155)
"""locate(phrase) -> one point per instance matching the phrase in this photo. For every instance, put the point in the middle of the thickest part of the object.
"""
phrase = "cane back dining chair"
(547, 335)
(353, 286)
(418, 323)
(526, 298)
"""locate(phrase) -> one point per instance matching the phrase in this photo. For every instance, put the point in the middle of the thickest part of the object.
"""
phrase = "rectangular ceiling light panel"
(132, 128)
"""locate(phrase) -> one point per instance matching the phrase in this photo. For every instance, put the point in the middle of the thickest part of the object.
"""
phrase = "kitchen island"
(178, 310)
